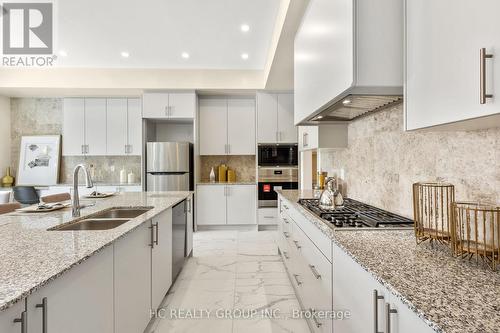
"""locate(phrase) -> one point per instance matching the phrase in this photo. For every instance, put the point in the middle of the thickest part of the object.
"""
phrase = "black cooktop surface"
(355, 214)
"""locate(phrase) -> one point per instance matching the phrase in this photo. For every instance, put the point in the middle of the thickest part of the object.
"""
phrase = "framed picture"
(39, 158)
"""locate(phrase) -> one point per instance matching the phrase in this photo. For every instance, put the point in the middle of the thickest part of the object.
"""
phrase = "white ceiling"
(93, 33)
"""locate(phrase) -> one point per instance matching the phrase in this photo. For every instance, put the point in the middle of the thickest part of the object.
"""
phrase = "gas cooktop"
(355, 214)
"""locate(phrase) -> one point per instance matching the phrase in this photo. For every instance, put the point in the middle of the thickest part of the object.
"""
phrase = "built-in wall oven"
(278, 169)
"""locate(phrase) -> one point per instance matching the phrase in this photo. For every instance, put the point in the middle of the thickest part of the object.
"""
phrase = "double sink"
(104, 220)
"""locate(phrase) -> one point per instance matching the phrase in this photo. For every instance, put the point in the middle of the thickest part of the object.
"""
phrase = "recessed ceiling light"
(185, 55)
(244, 56)
(63, 53)
(346, 101)
(245, 27)
(319, 117)
(125, 54)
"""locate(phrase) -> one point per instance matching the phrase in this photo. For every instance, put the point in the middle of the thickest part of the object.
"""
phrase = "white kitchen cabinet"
(443, 77)
(124, 126)
(134, 126)
(182, 105)
(323, 136)
(132, 280)
(211, 204)
(241, 204)
(347, 47)
(73, 128)
(275, 122)
(190, 225)
(241, 126)
(116, 126)
(226, 204)
(356, 289)
(7, 317)
(95, 126)
(227, 126)
(161, 257)
(213, 126)
(164, 105)
(81, 300)
(287, 132)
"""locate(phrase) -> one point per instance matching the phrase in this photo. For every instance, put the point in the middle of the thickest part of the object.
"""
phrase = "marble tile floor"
(235, 282)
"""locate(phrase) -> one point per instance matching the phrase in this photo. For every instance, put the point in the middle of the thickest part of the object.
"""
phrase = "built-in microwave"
(278, 155)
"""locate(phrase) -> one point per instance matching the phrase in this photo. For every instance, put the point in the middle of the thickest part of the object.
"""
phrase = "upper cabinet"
(178, 105)
(447, 74)
(227, 126)
(347, 47)
(275, 118)
(100, 126)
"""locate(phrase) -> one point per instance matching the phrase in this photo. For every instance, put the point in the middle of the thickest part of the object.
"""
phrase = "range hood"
(354, 106)
(349, 60)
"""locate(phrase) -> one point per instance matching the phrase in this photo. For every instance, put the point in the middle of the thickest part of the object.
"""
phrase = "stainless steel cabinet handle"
(130, 149)
(155, 225)
(316, 322)
(44, 308)
(171, 110)
(189, 205)
(87, 149)
(268, 217)
(228, 148)
(285, 220)
(482, 73)
(297, 245)
(286, 234)
(315, 272)
(166, 111)
(277, 136)
(152, 244)
(376, 298)
(24, 322)
(286, 207)
(388, 312)
(83, 149)
(296, 277)
(285, 254)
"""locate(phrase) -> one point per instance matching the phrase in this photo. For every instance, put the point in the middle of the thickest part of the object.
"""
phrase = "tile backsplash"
(243, 165)
(43, 116)
(382, 161)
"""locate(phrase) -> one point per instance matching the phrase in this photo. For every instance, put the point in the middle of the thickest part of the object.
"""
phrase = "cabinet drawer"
(267, 216)
(322, 242)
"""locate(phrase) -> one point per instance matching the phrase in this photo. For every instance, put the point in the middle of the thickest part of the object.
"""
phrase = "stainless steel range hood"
(354, 106)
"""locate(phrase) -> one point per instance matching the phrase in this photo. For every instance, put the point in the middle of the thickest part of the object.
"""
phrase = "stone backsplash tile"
(43, 116)
(243, 165)
(382, 161)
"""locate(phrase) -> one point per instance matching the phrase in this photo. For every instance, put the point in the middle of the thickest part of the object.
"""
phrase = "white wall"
(5, 142)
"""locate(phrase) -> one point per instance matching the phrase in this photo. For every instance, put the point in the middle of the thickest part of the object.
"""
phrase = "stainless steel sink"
(121, 213)
(105, 220)
(92, 224)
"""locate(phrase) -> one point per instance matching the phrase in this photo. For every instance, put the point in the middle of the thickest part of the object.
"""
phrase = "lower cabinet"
(190, 225)
(161, 257)
(132, 288)
(267, 216)
(11, 319)
(372, 307)
(226, 204)
(81, 300)
(309, 270)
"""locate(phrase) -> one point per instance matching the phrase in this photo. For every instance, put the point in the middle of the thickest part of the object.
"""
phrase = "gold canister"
(231, 176)
(321, 179)
(222, 173)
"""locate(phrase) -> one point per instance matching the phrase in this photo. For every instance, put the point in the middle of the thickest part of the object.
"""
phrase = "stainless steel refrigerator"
(169, 166)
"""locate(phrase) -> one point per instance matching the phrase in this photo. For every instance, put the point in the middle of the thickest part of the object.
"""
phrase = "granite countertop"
(31, 256)
(451, 295)
(207, 182)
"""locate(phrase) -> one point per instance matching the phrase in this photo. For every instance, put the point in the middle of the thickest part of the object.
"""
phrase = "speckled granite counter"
(449, 294)
(31, 256)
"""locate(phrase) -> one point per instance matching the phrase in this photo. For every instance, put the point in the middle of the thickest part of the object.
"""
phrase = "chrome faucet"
(88, 184)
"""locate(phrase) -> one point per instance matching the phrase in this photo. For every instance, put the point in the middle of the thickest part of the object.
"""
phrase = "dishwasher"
(179, 222)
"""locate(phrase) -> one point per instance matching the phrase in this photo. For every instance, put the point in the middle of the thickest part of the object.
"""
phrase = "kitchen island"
(34, 257)
(418, 288)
